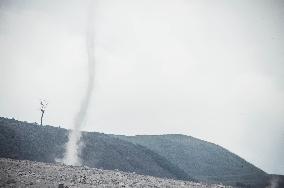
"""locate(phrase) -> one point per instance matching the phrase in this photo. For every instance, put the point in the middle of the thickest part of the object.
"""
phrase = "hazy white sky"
(210, 69)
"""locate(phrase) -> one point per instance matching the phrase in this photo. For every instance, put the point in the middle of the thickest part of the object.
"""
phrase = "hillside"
(16, 173)
(167, 156)
(202, 160)
(27, 141)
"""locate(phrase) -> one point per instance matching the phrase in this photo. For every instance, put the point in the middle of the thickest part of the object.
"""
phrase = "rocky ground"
(16, 173)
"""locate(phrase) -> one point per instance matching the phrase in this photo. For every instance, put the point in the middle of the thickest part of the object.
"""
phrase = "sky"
(210, 69)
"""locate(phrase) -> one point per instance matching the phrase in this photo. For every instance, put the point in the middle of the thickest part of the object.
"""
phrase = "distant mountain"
(28, 141)
(203, 160)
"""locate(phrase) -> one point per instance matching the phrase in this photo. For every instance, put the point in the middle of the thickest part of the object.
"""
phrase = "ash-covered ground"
(17, 173)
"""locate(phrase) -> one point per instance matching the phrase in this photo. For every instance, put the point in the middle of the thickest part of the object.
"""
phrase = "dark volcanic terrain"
(177, 157)
(16, 173)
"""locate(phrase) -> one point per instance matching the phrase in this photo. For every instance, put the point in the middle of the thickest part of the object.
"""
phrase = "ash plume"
(74, 145)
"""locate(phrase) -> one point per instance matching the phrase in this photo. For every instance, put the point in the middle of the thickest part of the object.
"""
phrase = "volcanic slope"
(29, 141)
(203, 160)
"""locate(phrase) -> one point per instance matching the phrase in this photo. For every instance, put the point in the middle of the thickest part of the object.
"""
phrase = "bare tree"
(43, 105)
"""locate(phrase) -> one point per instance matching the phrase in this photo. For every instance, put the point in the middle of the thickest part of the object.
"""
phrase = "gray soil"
(16, 173)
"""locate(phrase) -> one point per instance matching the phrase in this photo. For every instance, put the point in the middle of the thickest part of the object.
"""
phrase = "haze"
(210, 69)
